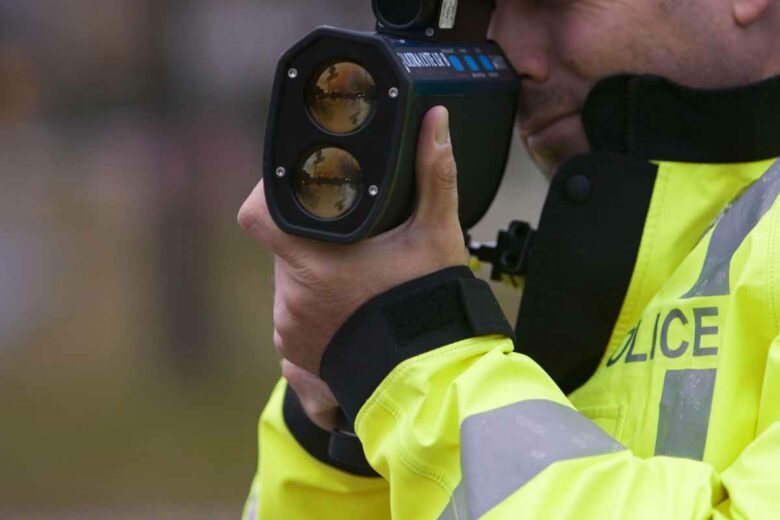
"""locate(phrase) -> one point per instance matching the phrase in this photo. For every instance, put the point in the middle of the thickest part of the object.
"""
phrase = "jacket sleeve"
(295, 476)
(474, 430)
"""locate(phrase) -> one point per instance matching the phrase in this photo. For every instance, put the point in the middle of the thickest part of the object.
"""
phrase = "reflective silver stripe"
(503, 449)
(684, 414)
(458, 508)
(251, 507)
(730, 231)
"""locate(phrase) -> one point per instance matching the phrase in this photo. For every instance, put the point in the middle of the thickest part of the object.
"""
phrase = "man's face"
(561, 48)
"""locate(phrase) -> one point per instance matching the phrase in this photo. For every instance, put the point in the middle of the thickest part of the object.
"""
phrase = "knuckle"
(311, 404)
(293, 378)
(280, 309)
(284, 330)
(289, 373)
(249, 217)
(283, 326)
(295, 310)
(292, 305)
(278, 343)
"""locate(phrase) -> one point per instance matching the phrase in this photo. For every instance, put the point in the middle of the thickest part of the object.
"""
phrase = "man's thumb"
(437, 186)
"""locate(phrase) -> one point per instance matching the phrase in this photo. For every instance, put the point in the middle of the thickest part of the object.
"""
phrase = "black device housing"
(481, 104)
(434, 20)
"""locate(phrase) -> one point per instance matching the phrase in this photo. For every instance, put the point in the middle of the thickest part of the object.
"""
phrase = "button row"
(472, 63)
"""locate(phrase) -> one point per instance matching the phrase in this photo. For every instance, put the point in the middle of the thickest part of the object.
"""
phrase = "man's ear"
(748, 11)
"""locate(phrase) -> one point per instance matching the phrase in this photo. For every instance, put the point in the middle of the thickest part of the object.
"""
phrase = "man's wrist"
(438, 309)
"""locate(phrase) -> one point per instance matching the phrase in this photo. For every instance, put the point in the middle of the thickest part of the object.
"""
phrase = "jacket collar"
(650, 117)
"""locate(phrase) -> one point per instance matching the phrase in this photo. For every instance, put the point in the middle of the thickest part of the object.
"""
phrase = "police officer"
(644, 376)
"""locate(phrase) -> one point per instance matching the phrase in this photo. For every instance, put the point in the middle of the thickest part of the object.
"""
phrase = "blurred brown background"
(135, 317)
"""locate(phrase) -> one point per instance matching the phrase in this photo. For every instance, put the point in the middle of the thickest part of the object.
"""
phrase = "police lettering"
(673, 352)
(698, 333)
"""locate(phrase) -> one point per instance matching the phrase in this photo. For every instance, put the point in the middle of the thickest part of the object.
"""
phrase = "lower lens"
(328, 183)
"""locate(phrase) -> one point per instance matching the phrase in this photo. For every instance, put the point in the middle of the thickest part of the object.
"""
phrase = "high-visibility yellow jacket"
(652, 299)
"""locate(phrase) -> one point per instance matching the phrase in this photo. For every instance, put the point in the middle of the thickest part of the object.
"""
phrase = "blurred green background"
(135, 317)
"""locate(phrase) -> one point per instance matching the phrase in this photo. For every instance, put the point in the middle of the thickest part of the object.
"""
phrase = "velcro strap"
(482, 310)
(346, 448)
(345, 453)
(430, 312)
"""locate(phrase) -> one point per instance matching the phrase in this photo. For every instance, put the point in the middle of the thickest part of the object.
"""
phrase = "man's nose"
(524, 36)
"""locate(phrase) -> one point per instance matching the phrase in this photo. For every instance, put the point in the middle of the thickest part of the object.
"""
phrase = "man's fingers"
(316, 398)
(254, 217)
(437, 186)
(256, 220)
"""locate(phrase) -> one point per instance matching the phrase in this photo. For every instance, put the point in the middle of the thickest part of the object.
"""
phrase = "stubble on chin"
(564, 140)
(568, 141)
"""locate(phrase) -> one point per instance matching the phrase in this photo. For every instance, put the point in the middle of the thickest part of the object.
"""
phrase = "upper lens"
(328, 184)
(342, 97)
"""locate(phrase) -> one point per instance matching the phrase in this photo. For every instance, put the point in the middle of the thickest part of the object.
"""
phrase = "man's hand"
(319, 285)
(317, 400)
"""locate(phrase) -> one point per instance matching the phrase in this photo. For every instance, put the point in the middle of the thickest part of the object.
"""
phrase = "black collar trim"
(650, 117)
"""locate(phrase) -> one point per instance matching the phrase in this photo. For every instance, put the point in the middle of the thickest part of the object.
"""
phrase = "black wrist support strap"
(316, 441)
(430, 312)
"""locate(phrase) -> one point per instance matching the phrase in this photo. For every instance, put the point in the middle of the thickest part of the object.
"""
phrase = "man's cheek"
(593, 43)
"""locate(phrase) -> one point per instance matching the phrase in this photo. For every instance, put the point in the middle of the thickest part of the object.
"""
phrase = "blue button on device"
(471, 62)
(456, 63)
(485, 61)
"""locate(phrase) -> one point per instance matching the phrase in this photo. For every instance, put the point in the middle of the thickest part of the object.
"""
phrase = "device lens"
(328, 183)
(341, 97)
(398, 13)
